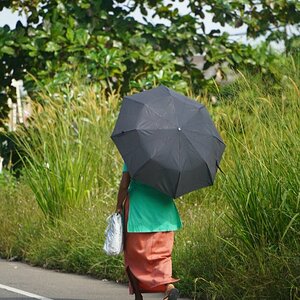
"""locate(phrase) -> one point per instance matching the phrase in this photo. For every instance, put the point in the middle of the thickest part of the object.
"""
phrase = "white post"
(18, 84)
(14, 116)
(1, 164)
(10, 115)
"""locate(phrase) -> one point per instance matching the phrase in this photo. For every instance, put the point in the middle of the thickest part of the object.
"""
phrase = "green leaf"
(49, 64)
(8, 50)
(52, 47)
(10, 43)
(71, 21)
(82, 36)
(32, 53)
(143, 10)
(70, 34)
(85, 5)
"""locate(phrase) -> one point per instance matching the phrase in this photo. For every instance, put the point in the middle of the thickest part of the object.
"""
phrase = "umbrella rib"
(193, 102)
(123, 132)
(209, 173)
(176, 188)
(170, 94)
(208, 135)
(150, 108)
(186, 103)
(141, 166)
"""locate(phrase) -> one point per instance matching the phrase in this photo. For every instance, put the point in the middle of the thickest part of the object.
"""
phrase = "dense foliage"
(100, 41)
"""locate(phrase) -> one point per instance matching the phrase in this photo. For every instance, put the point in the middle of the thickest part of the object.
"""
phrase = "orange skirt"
(148, 257)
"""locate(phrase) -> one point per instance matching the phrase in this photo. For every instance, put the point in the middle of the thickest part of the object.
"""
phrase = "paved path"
(21, 281)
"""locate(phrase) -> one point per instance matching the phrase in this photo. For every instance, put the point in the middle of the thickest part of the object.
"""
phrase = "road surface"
(21, 281)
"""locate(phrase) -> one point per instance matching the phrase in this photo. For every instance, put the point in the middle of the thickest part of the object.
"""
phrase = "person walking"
(150, 219)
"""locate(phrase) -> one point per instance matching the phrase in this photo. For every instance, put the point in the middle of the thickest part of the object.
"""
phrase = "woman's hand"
(123, 191)
(119, 210)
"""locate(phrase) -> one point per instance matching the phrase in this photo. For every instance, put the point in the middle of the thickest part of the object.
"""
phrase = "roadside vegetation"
(240, 238)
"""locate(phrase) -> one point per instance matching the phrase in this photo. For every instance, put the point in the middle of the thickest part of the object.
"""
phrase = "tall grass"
(64, 148)
(264, 189)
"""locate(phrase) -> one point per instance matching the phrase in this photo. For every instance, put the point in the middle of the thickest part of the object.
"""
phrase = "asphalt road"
(21, 281)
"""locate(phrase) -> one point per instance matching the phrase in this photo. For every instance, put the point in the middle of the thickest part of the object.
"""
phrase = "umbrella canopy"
(168, 141)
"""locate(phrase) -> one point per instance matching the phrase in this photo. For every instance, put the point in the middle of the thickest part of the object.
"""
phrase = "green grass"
(65, 149)
(240, 238)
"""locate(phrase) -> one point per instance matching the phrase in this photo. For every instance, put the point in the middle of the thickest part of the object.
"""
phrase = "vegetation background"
(241, 237)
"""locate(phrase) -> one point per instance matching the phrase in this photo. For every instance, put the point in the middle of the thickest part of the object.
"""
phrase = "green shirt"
(150, 210)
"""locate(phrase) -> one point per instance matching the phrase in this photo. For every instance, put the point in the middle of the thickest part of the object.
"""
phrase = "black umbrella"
(168, 141)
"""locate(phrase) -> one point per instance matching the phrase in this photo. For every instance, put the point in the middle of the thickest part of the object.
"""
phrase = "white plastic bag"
(113, 244)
